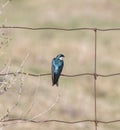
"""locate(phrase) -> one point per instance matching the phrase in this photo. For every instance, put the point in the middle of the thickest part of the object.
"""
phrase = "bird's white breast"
(61, 58)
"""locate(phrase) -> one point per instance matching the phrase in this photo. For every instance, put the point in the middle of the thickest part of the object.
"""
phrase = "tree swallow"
(57, 66)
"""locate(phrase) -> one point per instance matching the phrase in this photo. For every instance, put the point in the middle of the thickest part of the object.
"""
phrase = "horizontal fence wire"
(64, 75)
(95, 75)
(59, 29)
(60, 121)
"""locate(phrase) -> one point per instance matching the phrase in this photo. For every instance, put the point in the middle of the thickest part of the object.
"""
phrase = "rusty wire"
(59, 29)
(59, 121)
(64, 75)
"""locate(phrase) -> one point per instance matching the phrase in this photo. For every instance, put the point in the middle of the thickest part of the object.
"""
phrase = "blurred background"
(32, 52)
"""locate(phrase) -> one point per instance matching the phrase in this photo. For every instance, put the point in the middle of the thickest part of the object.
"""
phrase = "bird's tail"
(55, 80)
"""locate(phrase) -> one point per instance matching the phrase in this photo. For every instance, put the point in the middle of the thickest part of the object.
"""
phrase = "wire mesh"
(95, 75)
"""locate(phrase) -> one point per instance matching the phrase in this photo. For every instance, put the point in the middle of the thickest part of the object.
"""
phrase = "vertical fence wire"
(95, 78)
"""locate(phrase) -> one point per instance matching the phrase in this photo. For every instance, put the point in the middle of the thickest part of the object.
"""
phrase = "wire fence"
(95, 75)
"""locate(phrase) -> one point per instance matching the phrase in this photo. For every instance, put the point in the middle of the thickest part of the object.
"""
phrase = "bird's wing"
(59, 72)
(52, 70)
(60, 68)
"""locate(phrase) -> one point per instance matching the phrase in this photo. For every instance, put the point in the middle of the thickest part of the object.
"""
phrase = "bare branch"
(49, 109)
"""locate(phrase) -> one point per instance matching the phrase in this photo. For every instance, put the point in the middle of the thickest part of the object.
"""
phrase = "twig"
(12, 81)
(49, 109)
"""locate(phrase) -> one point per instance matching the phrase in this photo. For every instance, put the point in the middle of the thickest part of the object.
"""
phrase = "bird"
(56, 68)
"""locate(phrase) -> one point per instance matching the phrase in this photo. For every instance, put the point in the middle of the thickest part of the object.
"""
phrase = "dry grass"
(76, 101)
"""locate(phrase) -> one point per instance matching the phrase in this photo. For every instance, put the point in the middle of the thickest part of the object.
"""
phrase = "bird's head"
(60, 56)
